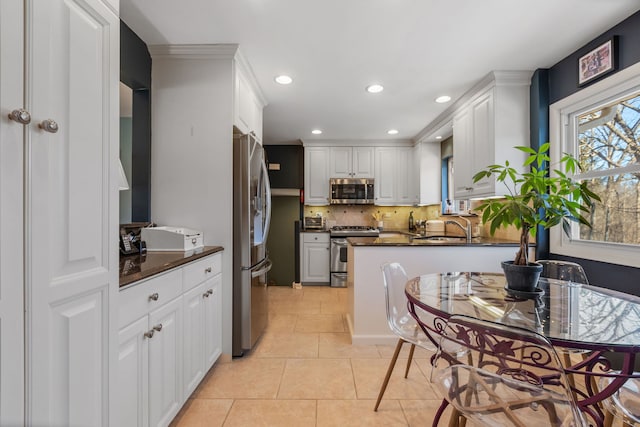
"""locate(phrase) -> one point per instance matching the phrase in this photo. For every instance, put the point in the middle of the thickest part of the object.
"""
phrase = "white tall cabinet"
(59, 61)
(192, 156)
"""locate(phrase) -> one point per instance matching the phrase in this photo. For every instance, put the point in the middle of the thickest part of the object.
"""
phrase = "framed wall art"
(598, 62)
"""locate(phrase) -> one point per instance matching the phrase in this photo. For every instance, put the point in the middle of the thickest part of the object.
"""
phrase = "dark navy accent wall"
(539, 134)
(135, 72)
(562, 81)
(563, 77)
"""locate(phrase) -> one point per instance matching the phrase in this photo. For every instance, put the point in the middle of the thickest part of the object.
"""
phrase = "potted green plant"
(534, 199)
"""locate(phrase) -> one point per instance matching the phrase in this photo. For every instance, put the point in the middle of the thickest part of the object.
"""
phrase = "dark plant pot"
(523, 278)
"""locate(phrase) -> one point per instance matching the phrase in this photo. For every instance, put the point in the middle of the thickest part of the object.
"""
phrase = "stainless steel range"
(338, 253)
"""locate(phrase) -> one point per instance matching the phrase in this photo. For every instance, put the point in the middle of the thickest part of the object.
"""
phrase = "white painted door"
(404, 170)
(133, 375)
(340, 162)
(193, 302)
(462, 154)
(316, 176)
(11, 214)
(212, 321)
(483, 143)
(71, 209)
(315, 266)
(165, 363)
(385, 184)
(363, 162)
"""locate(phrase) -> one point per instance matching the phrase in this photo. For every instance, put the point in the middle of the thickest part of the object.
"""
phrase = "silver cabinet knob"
(206, 294)
(207, 270)
(154, 297)
(158, 327)
(48, 125)
(21, 116)
(149, 334)
(210, 291)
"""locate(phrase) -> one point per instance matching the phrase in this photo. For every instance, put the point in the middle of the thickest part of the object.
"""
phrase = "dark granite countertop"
(404, 238)
(136, 267)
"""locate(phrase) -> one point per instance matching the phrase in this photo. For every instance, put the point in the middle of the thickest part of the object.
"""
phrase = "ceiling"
(333, 49)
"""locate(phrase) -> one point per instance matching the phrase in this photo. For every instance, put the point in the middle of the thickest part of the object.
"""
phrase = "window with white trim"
(608, 149)
(600, 126)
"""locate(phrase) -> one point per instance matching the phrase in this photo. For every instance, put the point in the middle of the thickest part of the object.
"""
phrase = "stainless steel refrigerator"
(251, 219)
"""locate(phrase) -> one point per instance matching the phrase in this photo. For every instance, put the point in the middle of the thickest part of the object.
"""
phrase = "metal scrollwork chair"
(399, 319)
(515, 378)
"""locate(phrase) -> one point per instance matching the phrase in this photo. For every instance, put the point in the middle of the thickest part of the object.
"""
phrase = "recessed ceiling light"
(438, 137)
(375, 88)
(442, 99)
(392, 131)
(283, 80)
(316, 131)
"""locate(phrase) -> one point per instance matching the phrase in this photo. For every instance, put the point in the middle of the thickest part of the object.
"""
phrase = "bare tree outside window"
(609, 153)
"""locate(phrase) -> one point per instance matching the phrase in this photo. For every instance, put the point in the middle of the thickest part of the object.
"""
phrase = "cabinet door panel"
(340, 162)
(11, 216)
(404, 169)
(71, 209)
(385, 186)
(316, 262)
(165, 362)
(213, 321)
(316, 179)
(462, 154)
(363, 162)
(193, 302)
(483, 142)
(133, 374)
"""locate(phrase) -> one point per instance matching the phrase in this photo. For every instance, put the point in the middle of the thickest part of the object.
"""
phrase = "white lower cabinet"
(168, 340)
(202, 326)
(314, 250)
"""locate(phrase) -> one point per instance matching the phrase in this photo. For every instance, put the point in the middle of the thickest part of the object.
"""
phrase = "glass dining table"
(602, 324)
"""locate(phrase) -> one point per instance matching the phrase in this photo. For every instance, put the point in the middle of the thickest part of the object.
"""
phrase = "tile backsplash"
(397, 217)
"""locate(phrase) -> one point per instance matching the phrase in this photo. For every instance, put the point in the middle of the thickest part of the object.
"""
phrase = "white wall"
(192, 156)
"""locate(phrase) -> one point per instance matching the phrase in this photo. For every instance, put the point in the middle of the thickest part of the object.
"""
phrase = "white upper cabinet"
(248, 103)
(396, 176)
(316, 176)
(351, 162)
(429, 166)
(485, 130)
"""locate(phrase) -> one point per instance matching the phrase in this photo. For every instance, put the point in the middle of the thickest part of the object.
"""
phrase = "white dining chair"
(563, 270)
(515, 377)
(401, 323)
(624, 404)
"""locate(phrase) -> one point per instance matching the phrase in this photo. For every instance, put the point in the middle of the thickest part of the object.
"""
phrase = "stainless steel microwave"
(351, 191)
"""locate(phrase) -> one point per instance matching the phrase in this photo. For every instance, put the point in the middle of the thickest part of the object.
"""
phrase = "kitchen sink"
(441, 238)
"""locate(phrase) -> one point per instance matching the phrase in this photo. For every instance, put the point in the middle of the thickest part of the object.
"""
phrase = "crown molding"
(357, 142)
(194, 51)
(492, 79)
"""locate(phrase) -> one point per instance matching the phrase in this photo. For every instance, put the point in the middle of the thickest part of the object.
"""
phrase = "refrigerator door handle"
(265, 269)
(267, 195)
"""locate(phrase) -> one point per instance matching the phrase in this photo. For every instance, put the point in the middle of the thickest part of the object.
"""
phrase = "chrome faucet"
(467, 230)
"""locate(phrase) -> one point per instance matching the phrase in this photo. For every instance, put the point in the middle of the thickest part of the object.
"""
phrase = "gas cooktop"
(354, 230)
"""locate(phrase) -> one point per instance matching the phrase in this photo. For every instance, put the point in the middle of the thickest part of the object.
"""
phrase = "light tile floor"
(305, 372)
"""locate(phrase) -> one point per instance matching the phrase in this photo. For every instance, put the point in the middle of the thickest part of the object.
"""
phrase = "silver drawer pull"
(210, 291)
(205, 295)
(158, 327)
(154, 297)
(149, 334)
(207, 270)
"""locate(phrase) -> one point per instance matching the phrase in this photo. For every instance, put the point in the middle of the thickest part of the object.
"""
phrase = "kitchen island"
(418, 255)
